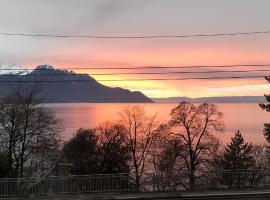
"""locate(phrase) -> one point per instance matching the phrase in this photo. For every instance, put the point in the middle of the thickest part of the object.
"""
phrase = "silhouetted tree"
(142, 133)
(100, 150)
(238, 154)
(165, 161)
(27, 128)
(114, 155)
(169, 168)
(3, 165)
(82, 152)
(192, 125)
(266, 107)
(236, 160)
(259, 154)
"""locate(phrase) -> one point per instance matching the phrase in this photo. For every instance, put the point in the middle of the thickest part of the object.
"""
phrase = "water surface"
(247, 117)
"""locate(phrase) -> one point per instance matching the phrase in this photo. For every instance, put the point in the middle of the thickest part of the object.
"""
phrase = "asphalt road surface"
(219, 195)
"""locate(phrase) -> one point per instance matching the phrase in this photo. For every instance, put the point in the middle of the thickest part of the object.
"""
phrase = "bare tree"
(28, 128)
(260, 156)
(165, 159)
(165, 154)
(9, 121)
(141, 133)
(46, 141)
(193, 126)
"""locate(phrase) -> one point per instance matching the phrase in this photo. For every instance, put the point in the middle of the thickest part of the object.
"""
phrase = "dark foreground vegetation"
(136, 152)
(29, 135)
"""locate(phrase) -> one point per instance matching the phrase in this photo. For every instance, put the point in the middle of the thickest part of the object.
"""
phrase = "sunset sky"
(142, 17)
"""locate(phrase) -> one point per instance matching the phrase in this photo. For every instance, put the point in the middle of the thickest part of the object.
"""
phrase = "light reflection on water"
(247, 117)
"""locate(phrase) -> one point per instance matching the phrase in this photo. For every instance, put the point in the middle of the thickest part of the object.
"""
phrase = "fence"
(64, 185)
(149, 182)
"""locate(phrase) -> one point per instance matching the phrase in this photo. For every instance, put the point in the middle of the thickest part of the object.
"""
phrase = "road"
(220, 195)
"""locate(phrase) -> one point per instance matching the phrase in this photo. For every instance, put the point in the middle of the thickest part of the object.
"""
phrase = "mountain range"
(62, 86)
(224, 99)
(58, 86)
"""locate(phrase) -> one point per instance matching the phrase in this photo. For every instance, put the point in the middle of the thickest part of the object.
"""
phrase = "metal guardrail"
(150, 182)
(211, 180)
(63, 185)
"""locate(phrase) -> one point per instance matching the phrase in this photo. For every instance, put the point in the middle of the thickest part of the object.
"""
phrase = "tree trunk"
(10, 160)
(137, 181)
(191, 181)
(192, 177)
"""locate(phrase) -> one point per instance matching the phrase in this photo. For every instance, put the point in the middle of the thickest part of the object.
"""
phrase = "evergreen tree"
(266, 107)
(238, 154)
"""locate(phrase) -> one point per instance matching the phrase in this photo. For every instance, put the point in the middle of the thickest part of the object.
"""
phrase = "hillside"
(57, 86)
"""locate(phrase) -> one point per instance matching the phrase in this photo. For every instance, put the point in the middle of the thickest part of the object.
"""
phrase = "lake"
(247, 117)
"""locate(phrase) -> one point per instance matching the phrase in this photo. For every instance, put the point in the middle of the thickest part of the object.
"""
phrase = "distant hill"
(225, 99)
(57, 87)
